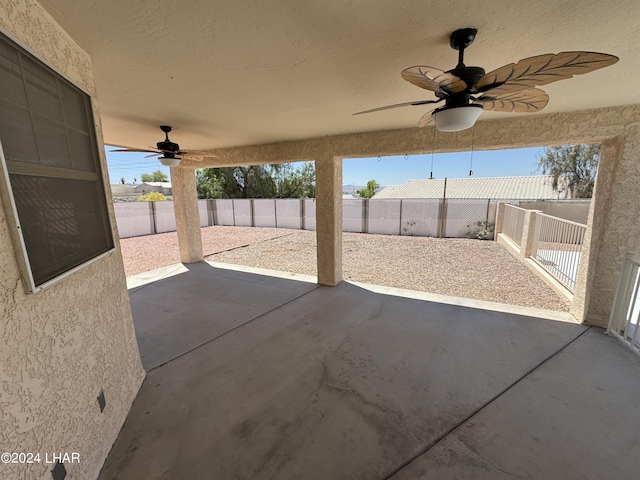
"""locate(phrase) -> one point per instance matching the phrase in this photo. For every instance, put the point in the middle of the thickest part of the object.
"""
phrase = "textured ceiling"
(231, 73)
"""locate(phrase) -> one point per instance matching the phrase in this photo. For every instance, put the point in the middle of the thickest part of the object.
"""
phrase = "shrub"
(152, 197)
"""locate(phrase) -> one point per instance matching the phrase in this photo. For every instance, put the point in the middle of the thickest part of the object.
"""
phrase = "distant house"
(122, 190)
(162, 187)
(532, 187)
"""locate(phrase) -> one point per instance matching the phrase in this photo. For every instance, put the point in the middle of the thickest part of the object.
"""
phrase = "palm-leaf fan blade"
(426, 119)
(544, 69)
(396, 105)
(433, 79)
(531, 100)
(142, 150)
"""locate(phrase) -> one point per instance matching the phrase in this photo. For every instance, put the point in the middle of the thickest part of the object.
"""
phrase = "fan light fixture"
(457, 118)
(169, 161)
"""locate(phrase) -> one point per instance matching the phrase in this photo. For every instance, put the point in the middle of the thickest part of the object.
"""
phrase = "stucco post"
(499, 219)
(329, 219)
(612, 230)
(185, 204)
(528, 232)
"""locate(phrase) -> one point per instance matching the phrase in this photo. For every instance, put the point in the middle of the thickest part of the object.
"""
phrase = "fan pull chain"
(473, 139)
(433, 147)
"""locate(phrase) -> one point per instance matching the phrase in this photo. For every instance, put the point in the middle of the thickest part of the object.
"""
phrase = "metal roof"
(531, 187)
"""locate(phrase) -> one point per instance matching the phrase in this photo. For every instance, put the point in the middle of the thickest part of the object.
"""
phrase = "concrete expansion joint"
(211, 340)
(445, 436)
(465, 449)
(327, 381)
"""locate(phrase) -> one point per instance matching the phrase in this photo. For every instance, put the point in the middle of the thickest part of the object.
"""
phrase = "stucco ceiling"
(230, 73)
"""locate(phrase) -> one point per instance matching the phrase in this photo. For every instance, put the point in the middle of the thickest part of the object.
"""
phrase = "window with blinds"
(51, 161)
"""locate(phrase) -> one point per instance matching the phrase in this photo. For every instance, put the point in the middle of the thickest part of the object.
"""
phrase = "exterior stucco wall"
(615, 230)
(613, 226)
(60, 347)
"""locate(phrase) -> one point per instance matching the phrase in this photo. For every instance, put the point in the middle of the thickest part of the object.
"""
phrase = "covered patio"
(220, 373)
(359, 381)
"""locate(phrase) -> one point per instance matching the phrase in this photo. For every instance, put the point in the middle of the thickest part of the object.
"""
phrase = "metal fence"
(513, 223)
(424, 217)
(625, 315)
(459, 218)
(557, 247)
(146, 218)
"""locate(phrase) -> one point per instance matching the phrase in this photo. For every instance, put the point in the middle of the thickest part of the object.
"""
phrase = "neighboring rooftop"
(157, 184)
(531, 187)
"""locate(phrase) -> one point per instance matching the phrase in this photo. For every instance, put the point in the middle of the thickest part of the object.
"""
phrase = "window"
(53, 181)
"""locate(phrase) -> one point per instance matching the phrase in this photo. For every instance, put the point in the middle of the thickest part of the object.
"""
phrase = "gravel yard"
(149, 252)
(477, 269)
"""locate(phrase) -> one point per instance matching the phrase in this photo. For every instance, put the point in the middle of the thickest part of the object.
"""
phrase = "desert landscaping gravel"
(149, 252)
(482, 270)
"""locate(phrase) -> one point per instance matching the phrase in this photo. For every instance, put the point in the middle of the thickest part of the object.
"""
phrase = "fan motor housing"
(470, 75)
(168, 146)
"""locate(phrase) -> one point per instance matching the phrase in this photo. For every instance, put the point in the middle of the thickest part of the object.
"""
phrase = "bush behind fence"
(452, 218)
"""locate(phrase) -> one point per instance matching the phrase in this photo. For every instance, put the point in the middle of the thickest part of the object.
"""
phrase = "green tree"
(257, 181)
(122, 180)
(572, 167)
(157, 176)
(152, 197)
(370, 190)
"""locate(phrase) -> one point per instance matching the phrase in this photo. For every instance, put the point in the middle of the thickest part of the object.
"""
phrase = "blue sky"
(386, 170)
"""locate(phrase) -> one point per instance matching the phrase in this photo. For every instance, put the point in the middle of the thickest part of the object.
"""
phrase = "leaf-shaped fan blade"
(544, 69)
(433, 79)
(530, 100)
(143, 150)
(426, 119)
(405, 104)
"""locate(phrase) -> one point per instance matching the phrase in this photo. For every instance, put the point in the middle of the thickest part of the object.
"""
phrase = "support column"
(613, 229)
(185, 203)
(329, 219)
(500, 208)
(528, 232)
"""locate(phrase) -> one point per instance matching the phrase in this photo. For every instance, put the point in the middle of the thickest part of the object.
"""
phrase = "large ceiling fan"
(170, 153)
(467, 91)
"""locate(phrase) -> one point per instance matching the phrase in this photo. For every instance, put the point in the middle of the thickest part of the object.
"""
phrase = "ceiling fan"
(170, 153)
(467, 91)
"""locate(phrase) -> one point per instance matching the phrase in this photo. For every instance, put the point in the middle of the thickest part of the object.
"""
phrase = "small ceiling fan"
(467, 91)
(170, 153)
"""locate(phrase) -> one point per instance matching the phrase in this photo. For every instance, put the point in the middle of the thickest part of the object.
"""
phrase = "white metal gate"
(625, 315)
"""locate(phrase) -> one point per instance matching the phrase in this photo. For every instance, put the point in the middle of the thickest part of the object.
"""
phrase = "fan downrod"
(461, 39)
(167, 145)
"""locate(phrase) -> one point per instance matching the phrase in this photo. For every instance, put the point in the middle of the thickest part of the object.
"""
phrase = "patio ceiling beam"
(586, 126)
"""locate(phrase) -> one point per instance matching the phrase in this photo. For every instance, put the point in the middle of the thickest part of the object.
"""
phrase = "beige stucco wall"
(60, 347)
(574, 211)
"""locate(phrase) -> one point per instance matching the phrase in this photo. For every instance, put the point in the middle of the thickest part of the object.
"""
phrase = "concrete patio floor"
(256, 375)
